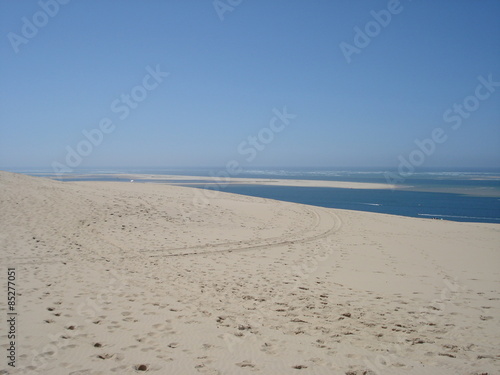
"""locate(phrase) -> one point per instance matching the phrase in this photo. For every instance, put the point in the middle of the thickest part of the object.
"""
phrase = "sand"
(131, 278)
(223, 181)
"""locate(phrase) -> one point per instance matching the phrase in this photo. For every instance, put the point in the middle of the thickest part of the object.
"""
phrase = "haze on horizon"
(283, 83)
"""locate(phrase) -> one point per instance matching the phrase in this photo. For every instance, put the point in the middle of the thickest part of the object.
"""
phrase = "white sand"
(222, 181)
(112, 276)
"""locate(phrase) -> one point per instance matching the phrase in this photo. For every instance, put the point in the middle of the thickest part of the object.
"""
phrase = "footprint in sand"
(105, 356)
(141, 367)
(482, 317)
(245, 364)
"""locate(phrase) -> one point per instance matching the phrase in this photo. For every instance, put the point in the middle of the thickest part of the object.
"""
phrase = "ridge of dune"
(116, 277)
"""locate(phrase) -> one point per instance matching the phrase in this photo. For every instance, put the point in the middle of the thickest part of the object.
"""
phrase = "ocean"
(430, 205)
(467, 196)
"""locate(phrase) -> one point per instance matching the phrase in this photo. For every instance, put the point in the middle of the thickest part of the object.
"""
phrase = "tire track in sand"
(320, 219)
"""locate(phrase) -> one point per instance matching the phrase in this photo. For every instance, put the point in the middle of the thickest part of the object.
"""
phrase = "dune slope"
(125, 278)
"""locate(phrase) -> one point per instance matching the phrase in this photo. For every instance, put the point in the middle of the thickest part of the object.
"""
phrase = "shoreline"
(171, 179)
(236, 180)
(366, 197)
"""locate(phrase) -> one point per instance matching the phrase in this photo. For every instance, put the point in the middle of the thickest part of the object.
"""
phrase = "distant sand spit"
(125, 278)
(237, 180)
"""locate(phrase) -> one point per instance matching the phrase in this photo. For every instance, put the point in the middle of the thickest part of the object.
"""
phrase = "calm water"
(453, 207)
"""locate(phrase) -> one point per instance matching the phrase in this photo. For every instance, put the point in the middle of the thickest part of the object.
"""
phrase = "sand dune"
(132, 278)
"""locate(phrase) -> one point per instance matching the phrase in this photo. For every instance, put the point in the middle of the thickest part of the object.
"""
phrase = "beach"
(127, 278)
(224, 179)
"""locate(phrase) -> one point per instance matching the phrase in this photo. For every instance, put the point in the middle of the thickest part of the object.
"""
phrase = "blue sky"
(228, 76)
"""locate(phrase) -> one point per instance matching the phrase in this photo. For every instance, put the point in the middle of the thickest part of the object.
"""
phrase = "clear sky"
(350, 99)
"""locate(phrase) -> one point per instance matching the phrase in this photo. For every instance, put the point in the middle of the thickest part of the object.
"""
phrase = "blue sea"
(456, 195)
(455, 207)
